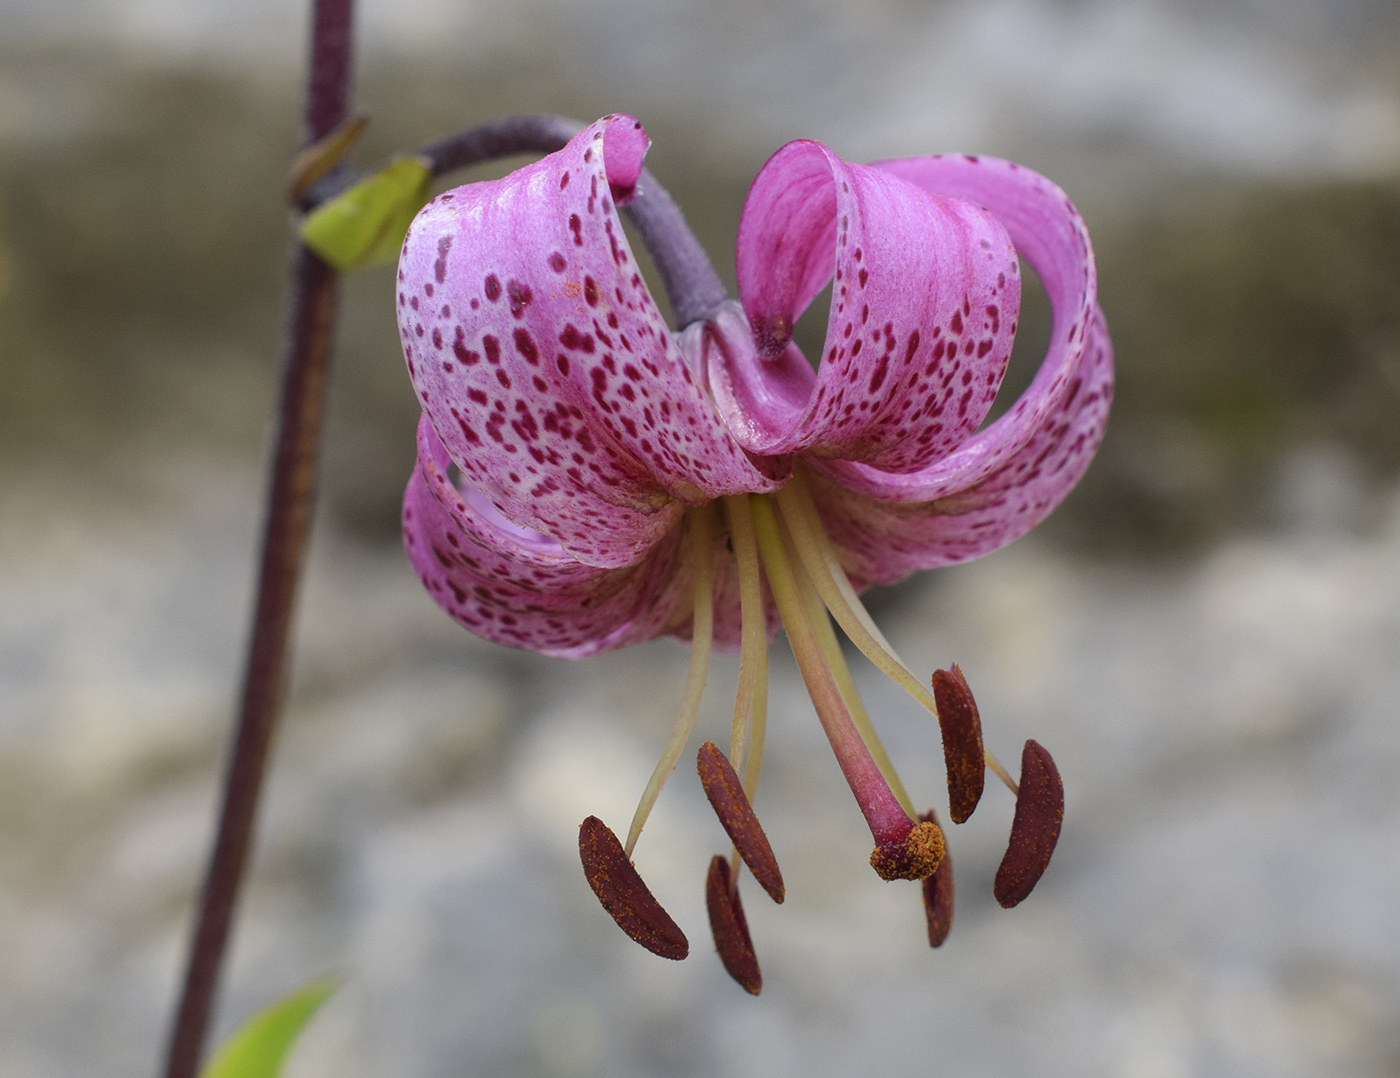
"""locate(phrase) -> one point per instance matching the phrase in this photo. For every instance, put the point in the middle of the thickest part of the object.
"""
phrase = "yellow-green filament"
(841, 674)
(701, 555)
(824, 568)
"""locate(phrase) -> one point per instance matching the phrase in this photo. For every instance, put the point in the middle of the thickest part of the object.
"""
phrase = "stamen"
(1040, 810)
(938, 895)
(726, 795)
(828, 575)
(751, 699)
(902, 850)
(841, 674)
(962, 741)
(701, 541)
(729, 928)
(623, 894)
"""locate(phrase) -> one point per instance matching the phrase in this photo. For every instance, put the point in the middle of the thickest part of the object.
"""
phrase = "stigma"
(788, 568)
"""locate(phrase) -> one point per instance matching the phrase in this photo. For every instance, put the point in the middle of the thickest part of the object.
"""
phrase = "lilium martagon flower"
(589, 478)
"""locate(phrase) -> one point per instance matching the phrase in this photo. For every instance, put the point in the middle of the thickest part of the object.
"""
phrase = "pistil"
(903, 850)
(829, 578)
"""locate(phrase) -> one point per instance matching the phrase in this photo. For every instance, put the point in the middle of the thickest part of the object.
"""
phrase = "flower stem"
(290, 495)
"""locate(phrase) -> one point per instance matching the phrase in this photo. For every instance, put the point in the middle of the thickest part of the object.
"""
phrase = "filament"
(701, 555)
(827, 574)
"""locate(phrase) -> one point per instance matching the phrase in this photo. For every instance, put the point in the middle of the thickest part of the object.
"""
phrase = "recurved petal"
(1049, 234)
(925, 299)
(520, 588)
(884, 539)
(543, 363)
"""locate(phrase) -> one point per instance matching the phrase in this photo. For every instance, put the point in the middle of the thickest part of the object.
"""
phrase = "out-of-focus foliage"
(260, 1046)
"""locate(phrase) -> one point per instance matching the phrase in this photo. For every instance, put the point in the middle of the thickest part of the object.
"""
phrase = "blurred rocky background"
(1205, 634)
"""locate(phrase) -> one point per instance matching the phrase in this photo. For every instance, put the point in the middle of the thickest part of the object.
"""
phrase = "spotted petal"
(884, 541)
(1049, 234)
(543, 363)
(924, 304)
(520, 588)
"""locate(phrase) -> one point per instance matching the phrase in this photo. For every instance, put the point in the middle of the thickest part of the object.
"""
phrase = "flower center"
(780, 538)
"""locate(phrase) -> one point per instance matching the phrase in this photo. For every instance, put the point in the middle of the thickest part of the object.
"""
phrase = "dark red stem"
(291, 492)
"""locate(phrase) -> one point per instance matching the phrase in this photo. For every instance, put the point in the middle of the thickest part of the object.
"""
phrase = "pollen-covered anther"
(1040, 810)
(938, 895)
(623, 894)
(726, 794)
(729, 927)
(962, 741)
(917, 857)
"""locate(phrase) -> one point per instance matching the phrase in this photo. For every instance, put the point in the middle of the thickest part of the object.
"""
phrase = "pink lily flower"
(588, 479)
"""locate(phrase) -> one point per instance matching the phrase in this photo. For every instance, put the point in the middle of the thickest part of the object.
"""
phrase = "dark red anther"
(962, 741)
(729, 928)
(1040, 809)
(623, 894)
(726, 794)
(938, 894)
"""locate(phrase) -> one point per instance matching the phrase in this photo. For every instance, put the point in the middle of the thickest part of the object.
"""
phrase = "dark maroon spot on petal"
(576, 227)
(938, 895)
(413, 303)
(437, 338)
(525, 345)
(956, 323)
(562, 362)
(983, 348)
(590, 291)
(729, 927)
(563, 181)
(493, 288)
(440, 266)
(727, 798)
(556, 262)
(460, 350)
(863, 276)
(623, 894)
(1040, 810)
(881, 369)
(520, 297)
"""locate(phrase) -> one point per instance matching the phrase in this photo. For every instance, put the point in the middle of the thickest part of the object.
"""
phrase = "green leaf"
(260, 1047)
(365, 225)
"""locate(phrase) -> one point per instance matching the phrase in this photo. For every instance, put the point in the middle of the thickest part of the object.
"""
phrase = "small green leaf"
(259, 1048)
(365, 225)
